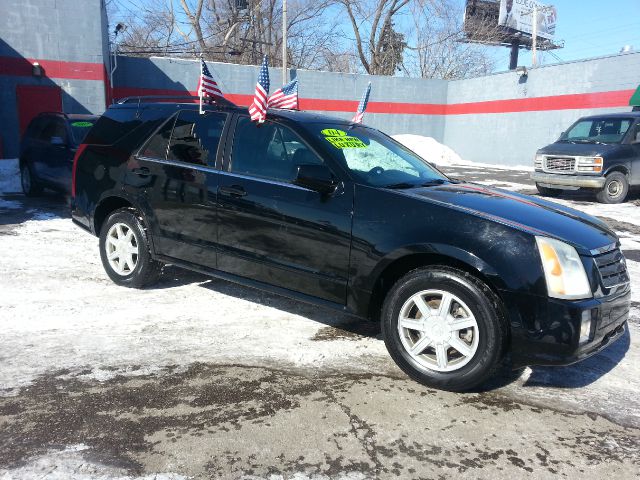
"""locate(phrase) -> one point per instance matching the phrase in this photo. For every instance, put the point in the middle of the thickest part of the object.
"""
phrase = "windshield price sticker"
(82, 124)
(340, 139)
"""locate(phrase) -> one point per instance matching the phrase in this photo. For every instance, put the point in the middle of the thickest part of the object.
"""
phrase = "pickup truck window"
(598, 130)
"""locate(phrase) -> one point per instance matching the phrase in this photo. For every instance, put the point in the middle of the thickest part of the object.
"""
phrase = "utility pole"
(534, 36)
(284, 42)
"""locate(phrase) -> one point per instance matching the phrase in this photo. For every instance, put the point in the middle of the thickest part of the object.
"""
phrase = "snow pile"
(443, 156)
(430, 149)
(9, 176)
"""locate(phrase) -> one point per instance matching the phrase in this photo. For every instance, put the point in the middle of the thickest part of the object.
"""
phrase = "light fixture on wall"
(36, 70)
(522, 71)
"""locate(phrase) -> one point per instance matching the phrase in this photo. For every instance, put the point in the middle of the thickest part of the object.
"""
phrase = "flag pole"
(200, 86)
(284, 42)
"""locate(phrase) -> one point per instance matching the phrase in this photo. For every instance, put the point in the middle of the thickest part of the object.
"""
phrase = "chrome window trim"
(270, 181)
(176, 163)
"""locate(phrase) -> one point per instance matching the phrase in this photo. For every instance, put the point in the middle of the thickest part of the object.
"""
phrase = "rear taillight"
(75, 167)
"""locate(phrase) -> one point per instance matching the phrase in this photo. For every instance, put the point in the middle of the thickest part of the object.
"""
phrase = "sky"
(589, 28)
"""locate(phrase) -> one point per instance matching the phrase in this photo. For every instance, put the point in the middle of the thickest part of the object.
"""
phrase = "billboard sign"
(518, 15)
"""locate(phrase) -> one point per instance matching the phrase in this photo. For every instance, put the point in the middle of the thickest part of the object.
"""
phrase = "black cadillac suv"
(342, 216)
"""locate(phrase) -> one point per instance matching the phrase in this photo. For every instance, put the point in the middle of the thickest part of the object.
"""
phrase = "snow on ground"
(443, 156)
(9, 175)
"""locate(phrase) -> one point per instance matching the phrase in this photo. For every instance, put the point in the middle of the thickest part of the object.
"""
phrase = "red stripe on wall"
(618, 98)
(22, 67)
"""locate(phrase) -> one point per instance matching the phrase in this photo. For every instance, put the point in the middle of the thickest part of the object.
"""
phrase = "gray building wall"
(50, 30)
(163, 75)
(513, 138)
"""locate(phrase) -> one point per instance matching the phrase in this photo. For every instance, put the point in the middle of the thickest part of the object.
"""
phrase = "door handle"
(233, 191)
(142, 171)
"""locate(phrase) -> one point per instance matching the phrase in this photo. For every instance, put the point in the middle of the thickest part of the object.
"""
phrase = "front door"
(273, 231)
(174, 175)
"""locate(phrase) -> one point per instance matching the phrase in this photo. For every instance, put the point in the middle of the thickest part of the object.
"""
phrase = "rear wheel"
(125, 250)
(444, 328)
(615, 188)
(548, 192)
(30, 186)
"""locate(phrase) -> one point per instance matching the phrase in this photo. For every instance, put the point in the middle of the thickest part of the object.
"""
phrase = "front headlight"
(589, 164)
(537, 162)
(563, 270)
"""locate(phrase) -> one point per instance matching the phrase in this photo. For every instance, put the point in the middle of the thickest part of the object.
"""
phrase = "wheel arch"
(105, 207)
(440, 255)
(619, 167)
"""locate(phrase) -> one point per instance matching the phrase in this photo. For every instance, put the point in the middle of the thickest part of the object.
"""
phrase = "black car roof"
(291, 115)
(614, 115)
(71, 116)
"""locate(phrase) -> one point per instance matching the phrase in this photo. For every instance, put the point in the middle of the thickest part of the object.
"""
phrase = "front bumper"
(546, 331)
(555, 180)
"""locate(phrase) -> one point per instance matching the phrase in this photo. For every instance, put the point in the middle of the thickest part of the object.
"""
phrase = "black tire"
(30, 187)
(146, 271)
(616, 188)
(485, 307)
(548, 192)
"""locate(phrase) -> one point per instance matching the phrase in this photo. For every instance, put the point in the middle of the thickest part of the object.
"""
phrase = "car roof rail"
(160, 98)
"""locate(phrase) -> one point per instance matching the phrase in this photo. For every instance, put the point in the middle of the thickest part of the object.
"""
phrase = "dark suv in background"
(47, 150)
(342, 216)
(600, 153)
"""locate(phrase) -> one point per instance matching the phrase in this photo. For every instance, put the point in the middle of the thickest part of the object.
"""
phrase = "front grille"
(612, 268)
(560, 164)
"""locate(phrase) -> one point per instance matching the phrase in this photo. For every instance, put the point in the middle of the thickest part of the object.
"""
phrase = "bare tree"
(379, 46)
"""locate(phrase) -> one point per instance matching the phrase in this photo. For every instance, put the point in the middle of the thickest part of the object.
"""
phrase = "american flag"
(207, 86)
(258, 108)
(362, 106)
(285, 97)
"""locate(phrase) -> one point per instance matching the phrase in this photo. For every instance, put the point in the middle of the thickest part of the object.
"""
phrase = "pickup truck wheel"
(615, 188)
(547, 192)
(28, 183)
(444, 328)
(125, 250)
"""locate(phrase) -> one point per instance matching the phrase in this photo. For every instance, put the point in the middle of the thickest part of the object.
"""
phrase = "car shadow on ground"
(16, 208)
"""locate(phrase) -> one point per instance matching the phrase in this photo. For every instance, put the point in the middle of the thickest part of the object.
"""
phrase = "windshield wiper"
(435, 181)
(586, 141)
(401, 185)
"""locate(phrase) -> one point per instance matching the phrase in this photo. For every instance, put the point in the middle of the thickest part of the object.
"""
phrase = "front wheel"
(616, 188)
(30, 187)
(444, 328)
(125, 250)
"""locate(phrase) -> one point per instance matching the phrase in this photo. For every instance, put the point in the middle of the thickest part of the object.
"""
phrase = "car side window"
(35, 129)
(157, 145)
(269, 151)
(54, 127)
(195, 137)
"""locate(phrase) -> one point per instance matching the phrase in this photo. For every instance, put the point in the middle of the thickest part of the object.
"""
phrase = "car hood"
(533, 215)
(579, 149)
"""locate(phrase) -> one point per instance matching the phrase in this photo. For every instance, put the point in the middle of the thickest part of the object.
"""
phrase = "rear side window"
(80, 128)
(195, 137)
(35, 128)
(157, 145)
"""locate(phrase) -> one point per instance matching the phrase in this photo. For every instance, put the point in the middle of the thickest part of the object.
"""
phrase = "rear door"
(273, 231)
(176, 174)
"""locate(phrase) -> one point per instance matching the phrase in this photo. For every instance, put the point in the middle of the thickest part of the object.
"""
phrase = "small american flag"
(258, 108)
(362, 106)
(285, 97)
(207, 86)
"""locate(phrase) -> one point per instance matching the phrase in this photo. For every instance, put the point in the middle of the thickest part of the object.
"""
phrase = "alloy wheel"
(438, 330)
(121, 247)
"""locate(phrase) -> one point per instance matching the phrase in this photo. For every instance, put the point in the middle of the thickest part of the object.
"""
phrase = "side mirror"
(315, 177)
(58, 141)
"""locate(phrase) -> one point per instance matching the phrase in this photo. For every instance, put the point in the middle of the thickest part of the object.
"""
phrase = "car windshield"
(80, 128)
(375, 159)
(597, 130)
